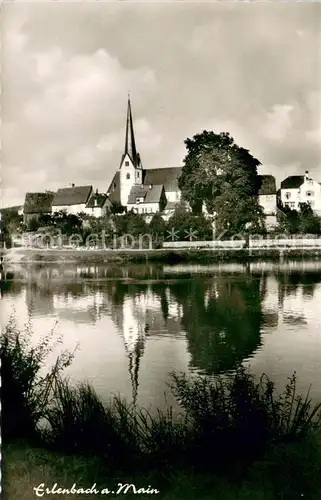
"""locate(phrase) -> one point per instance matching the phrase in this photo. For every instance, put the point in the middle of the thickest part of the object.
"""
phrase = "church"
(145, 191)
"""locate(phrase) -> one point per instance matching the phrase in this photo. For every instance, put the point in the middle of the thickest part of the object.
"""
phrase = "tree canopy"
(303, 220)
(222, 176)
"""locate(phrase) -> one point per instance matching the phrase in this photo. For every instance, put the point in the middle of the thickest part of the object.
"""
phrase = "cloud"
(278, 122)
(248, 69)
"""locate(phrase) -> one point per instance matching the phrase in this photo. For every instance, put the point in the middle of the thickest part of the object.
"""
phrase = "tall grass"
(229, 420)
(240, 417)
(25, 393)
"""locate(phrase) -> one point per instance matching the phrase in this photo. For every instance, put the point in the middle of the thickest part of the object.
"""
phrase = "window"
(127, 176)
(292, 204)
(127, 163)
(309, 193)
(288, 195)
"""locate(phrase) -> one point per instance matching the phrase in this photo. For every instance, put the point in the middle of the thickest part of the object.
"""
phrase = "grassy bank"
(235, 437)
(288, 473)
(170, 256)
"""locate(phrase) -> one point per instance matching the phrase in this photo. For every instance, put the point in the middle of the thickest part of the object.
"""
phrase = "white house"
(72, 199)
(297, 189)
(146, 191)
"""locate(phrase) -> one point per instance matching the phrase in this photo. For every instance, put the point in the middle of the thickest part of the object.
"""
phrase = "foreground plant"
(25, 393)
(229, 420)
(239, 417)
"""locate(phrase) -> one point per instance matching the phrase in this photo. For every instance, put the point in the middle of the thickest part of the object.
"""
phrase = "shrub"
(239, 417)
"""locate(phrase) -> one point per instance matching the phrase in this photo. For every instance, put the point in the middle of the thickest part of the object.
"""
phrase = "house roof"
(16, 208)
(171, 205)
(168, 177)
(36, 203)
(267, 184)
(150, 194)
(96, 200)
(113, 191)
(292, 182)
(75, 195)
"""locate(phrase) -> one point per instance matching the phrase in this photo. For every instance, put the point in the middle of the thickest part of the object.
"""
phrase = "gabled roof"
(113, 191)
(75, 195)
(292, 182)
(150, 194)
(37, 203)
(171, 205)
(168, 177)
(267, 184)
(16, 208)
(96, 200)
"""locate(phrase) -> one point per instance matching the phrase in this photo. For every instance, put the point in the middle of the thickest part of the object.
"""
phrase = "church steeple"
(130, 145)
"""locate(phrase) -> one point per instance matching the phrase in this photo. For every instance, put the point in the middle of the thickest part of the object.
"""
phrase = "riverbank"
(168, 256)
(234, 438)
(285, 474)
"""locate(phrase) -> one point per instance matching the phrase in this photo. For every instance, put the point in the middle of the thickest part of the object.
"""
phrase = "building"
(297, 189)
(267, 199)
(15, 209)
(73, 199)
(37, 204)
(145, 191)
(97, 205)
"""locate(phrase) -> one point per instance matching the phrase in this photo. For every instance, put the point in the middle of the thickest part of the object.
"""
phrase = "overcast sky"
(253, 70)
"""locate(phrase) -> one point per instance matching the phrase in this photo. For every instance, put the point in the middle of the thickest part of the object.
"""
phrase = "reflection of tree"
(294, 320)
(222, 321)
(10, 283)
(292, 282)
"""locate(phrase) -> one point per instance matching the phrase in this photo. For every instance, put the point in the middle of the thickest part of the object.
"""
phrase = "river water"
(136, 324)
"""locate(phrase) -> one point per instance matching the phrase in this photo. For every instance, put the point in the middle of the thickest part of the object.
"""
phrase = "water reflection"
(203, 318)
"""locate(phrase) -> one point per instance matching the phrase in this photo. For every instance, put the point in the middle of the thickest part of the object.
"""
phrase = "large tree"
(222, 176)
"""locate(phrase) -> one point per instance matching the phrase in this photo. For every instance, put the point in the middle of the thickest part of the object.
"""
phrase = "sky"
(250, 69)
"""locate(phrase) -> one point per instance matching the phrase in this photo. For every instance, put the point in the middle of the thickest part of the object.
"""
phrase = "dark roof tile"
(96, 200)
(168, 177)
(292, 182)
(36, 203)
(75, 195)
(113, 191)
(150, 194)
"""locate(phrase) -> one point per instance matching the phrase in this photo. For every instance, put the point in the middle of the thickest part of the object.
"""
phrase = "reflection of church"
(138, 316)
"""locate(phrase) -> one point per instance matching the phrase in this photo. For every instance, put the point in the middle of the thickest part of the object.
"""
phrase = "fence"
(236, 244)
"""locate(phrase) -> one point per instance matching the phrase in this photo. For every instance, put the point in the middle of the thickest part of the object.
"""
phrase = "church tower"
(131, 171)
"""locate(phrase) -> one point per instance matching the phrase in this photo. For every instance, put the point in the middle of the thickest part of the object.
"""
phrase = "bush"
(240, 418)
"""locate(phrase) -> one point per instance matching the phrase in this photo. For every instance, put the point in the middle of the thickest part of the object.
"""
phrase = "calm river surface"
(134, 325)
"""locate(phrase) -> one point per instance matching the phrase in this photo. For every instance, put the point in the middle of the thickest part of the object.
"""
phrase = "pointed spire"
(130, 145)
(134, 363)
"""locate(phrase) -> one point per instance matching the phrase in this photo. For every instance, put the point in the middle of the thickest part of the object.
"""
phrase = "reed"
(228, 421)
